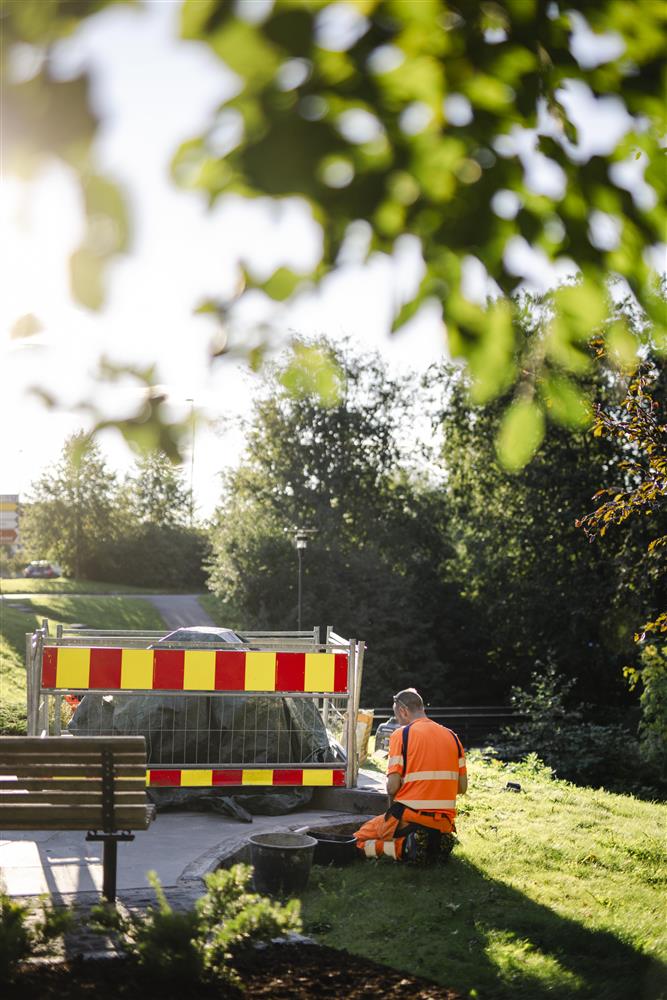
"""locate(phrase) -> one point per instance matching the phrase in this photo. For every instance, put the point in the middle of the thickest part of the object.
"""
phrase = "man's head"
(408, 705)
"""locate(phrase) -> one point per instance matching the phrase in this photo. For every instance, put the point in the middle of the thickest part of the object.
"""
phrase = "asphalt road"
(180, 609)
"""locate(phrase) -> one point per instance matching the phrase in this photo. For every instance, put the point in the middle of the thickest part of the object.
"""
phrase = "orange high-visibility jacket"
(435, 758)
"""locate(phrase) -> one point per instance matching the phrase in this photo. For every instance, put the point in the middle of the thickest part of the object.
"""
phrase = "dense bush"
(20, 938)
(576, 748)
(199, 944)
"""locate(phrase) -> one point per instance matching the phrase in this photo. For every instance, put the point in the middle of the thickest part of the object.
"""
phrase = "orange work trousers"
(382, 836)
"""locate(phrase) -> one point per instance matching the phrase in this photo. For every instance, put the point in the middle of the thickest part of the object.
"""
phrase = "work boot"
(448, 842)
(416, 847)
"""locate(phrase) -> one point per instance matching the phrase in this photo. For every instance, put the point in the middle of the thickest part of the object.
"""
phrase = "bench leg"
(110, 869)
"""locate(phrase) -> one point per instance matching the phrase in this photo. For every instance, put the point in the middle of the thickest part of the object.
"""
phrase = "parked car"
(383, 735)
(42, 568)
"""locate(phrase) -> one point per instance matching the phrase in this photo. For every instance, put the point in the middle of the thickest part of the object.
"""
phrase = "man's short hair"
(411, 699)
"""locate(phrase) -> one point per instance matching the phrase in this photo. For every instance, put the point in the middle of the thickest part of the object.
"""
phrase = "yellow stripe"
(8, 506)
(319, 672)
(257, 778)
(199, 673)
(73, 670)
(260, 671)
(136, 669)
(196, 777)
(317, 777)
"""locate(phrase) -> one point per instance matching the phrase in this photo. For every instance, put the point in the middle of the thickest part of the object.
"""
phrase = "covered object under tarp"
(220, 730)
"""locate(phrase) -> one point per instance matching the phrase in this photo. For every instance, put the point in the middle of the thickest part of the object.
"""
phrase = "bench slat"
(75, 744)
(46, 816)
(66, 758)
(60, 770)
(76, 798)
(72, 784)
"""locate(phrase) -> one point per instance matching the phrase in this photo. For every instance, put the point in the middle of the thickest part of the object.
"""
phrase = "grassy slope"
(20, 585)
(556, 891)
(18, 618)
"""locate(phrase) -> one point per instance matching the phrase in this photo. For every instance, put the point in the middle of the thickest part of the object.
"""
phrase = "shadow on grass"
(471, 932)
(543, 954)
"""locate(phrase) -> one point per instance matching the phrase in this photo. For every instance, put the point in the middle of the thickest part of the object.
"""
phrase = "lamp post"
(301, 542)
(192, 460)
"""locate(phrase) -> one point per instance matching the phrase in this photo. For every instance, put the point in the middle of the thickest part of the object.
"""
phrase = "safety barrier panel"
(78, 663)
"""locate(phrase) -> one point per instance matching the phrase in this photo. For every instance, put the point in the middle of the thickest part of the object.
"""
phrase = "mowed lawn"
(554, 891)
(26, 614)
(62, 585)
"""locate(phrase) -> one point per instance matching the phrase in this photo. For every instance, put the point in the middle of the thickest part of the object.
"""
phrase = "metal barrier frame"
(342, 705)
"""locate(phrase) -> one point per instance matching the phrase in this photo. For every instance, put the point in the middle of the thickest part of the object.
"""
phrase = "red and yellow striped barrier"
(76, 668)
(266, 777)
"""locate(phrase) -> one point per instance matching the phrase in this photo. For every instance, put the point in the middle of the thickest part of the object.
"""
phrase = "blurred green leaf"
(25, 326)
(520, 434)
(565, 402)
(312, 371)
(622, 345)
(281, 284)
(87, 278)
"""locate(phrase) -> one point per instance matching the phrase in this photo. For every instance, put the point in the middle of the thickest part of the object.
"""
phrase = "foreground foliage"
(553, 891)
(22, 937)
(200, 944)
(460, 124)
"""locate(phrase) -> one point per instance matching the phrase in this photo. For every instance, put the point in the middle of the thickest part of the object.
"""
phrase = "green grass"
(556, 891)
(17, 618)
(60, 585)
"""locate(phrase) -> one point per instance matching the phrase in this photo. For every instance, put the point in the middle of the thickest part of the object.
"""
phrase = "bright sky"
(153, 92)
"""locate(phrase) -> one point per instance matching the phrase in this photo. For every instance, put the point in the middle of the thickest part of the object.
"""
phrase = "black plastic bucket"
(333, 848)
(282, 862)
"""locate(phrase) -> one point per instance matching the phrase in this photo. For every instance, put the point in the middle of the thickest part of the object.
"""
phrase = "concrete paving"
(180, 846)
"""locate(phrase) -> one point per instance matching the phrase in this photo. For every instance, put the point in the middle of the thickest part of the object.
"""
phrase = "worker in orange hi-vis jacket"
(427, 770)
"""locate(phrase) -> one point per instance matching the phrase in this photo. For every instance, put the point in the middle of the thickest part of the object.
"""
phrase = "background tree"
(638, 491)
(414, 118)
(159, 545)
(69, 515)
(156, 492)
(371, 567)
(536, 590)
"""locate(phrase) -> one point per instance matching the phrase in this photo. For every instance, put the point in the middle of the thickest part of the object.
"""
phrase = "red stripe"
(229, 670)
(49, 664)
(338, 778)
(292, 777)
(290, 671)
(169, 778)
(168, 669)
(227, 778)
(105, 668)
(340, 672)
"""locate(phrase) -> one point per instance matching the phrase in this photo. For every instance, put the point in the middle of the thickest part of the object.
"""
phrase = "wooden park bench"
(93, 783)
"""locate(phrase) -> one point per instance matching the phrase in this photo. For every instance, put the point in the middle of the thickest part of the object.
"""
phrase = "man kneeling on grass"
(427, 770)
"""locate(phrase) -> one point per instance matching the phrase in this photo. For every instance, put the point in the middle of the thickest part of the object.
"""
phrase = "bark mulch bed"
(278, 972)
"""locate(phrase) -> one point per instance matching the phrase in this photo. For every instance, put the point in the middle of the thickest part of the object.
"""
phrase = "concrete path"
(180, 609)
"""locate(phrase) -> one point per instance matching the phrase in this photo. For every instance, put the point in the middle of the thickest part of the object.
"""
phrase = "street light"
(301, 542)
(192, 460)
